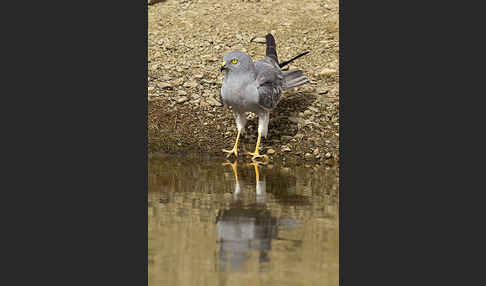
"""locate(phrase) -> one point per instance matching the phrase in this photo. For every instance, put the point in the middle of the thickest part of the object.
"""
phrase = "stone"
(322, 91)
(316, 151)
(213, 102)
(328, 155)
(208, 58)
(294, 119)
(177, 82)
(181, 93)
(182, 99)
(299, 136)
(164, 85)
(325, 72)
(285, 148)
(190, 84)
(308, 155)
(260, 40)
(151, 2)
(270, 151)
(313, 109)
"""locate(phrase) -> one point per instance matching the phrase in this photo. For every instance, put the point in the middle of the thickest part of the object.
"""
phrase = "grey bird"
(256, 87)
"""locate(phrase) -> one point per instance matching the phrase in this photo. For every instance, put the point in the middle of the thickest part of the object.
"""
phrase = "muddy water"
(240, 224)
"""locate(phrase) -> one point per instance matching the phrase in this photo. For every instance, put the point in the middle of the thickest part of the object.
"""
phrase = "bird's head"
(235, 61)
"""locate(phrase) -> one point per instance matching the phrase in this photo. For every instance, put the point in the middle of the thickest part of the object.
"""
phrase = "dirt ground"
(186, 43)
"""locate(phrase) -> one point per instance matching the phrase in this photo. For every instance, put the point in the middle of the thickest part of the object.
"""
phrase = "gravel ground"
(186, 42)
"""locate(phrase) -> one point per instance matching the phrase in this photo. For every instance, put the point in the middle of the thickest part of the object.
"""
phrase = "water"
(268, 225)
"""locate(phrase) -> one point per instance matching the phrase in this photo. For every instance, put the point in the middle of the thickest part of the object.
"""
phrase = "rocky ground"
(186, 42)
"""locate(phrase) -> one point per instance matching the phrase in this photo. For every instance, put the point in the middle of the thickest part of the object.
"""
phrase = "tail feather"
(281, 65)
(271, 47)
(294, 78)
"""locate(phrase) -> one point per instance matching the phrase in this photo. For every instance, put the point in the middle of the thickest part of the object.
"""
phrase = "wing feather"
(270, 79)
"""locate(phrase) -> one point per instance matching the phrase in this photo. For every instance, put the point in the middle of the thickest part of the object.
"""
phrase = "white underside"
(243, 100)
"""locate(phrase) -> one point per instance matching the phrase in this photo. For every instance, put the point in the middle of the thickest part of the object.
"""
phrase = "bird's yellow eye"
(234, 61)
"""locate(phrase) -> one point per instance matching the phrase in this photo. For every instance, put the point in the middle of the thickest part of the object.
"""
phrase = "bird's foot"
(256, 155)
(232, 151)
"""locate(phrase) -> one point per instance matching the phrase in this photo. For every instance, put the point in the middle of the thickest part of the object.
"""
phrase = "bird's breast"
(240, 97)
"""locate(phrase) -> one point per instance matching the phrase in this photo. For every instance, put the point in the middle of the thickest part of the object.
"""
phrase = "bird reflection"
(244, 228)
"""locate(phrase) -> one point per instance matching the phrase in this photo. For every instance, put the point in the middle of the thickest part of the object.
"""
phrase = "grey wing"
(270, 79)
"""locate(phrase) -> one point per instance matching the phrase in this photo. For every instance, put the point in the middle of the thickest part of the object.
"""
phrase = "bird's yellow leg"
(256, 154)
(235, 147)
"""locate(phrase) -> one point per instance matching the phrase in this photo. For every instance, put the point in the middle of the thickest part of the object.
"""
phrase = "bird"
(256, 86)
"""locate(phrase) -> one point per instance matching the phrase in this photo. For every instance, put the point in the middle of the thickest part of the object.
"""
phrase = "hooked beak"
(223, 66)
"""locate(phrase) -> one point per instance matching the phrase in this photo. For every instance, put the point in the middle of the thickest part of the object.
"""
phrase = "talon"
(257, 155)
(232, 151)
(235, 147)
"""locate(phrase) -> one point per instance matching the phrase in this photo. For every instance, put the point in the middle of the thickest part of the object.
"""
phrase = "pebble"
(182, 99)
(326, 72)
(213, 102)
(307, 112)
(260, 40)
(322, 91)
(328, 155)
(294, 119)
(191, 84)
(286, 148)
(270, 151)
(316, 151)
(208, 58)
(313, 109)
(181, 93)
(308, 155)
(164, 85)
(151, 2)
(151, 88)
(177, 82)
(199, 76)
(153, 66)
